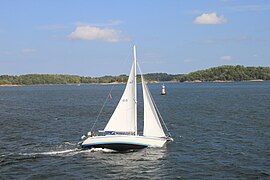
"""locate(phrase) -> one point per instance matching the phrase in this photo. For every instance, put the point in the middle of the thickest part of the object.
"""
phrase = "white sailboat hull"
(123, 142)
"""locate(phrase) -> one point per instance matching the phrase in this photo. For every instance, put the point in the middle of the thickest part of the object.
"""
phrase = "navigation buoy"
(163, 91)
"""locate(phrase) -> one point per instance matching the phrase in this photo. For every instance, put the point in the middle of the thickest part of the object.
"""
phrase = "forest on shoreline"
(221, 73)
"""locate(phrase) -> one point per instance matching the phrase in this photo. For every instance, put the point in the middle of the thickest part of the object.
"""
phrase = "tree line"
(228, 73)
(221, 73)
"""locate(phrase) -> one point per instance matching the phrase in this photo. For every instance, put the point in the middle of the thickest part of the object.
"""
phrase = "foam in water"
(69, 152)
(69, 143)
(103, 150)
(50, 152)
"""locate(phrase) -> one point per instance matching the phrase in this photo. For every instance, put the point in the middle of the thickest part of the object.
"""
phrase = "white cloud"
(226, 58)
(210, 18)
(28, 50)
(91, 33)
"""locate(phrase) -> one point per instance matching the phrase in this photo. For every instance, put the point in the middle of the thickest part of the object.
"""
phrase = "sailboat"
(120, 133)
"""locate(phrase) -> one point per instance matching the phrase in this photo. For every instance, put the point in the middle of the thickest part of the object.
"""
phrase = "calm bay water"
(221, 131)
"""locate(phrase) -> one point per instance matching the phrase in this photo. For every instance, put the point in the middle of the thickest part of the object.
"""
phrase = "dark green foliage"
(159, 77)
(34, 79)
(40, 79)
(228, 73)
(221, 73)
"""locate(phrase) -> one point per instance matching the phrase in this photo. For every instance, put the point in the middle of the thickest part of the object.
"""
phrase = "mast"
(135, 88)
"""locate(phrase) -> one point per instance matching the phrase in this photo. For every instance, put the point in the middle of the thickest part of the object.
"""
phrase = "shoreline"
(220, 81)
(119, 83)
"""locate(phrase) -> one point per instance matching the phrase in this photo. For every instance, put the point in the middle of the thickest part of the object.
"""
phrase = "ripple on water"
(221, 131)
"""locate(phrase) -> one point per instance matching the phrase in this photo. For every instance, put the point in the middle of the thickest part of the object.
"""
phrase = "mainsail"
(124, 118)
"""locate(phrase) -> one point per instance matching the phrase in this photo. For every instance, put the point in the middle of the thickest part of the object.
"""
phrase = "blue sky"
(95, 38)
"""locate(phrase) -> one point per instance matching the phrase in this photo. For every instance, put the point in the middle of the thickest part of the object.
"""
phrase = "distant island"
(217, 74)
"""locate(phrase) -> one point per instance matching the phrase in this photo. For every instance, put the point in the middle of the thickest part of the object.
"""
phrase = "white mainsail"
(124, 118)
(152, 126)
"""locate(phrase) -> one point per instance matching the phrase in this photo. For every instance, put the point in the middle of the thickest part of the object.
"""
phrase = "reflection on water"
(140, 164)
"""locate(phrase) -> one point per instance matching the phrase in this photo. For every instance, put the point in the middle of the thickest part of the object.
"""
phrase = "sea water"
(220, 131)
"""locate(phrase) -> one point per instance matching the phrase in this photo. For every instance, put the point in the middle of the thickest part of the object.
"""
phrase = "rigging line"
(102, 108)
(125, 60)
(163, 122)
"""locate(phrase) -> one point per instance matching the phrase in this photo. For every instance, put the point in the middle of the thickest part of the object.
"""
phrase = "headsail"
(124, 118)
(152, 126)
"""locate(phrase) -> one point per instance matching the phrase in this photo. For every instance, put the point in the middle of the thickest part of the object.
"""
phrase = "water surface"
(221, 131)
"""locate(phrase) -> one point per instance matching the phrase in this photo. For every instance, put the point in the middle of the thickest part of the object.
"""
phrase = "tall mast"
(135, 88)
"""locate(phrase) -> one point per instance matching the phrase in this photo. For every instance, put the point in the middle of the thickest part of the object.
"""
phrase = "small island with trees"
(226, 73)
